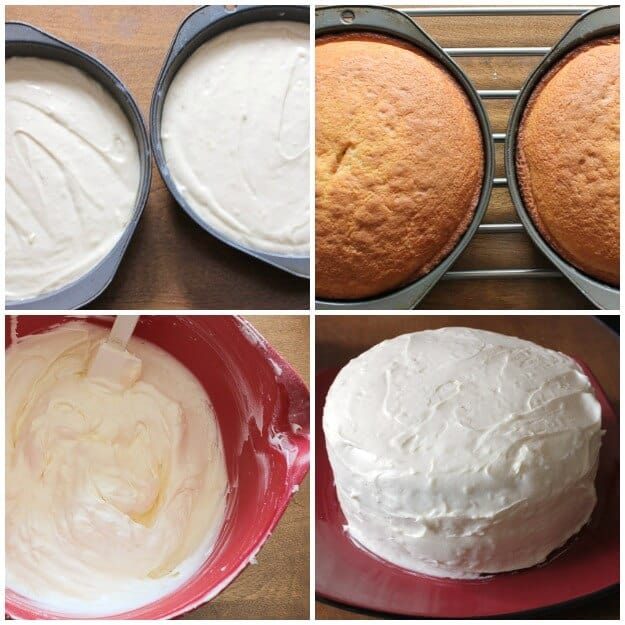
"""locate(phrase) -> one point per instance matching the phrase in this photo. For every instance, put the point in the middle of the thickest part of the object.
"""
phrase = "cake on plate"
(460, 452)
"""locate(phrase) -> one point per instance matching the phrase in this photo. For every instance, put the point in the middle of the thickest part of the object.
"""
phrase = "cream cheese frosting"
(459, 452)
(235, 134)
(72, 174)
(114, 497)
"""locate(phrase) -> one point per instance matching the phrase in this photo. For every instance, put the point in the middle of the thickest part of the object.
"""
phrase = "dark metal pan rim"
(89, 285)
(386, 20)
(594, 24)
(203, 24)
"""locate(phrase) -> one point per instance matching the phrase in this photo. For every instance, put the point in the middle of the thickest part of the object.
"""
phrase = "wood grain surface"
(339, 338)
(278, 586)
(171, 262)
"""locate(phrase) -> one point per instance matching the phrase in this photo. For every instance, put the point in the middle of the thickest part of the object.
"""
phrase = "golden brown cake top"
(568, 158)
(399, 164)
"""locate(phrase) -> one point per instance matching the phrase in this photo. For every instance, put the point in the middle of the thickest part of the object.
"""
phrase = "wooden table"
(339, 338)
(171, 262)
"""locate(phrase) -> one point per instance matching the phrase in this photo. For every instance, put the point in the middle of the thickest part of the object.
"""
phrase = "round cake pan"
(263, 409)
(26, 40)
(603, 21)
(387, 21)
(202, 25)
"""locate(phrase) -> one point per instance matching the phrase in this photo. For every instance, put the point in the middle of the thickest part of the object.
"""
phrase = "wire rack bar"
(481, 274)
(498, 94)
(524, 11)
(500, 228)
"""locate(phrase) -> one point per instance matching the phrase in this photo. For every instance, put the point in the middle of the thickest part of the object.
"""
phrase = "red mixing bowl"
(262, 406)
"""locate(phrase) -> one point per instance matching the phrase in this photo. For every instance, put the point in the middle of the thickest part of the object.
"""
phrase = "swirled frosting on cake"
(459, 452)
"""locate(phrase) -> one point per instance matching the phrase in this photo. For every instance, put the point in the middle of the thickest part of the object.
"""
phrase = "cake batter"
(235, 132)
(72, 175)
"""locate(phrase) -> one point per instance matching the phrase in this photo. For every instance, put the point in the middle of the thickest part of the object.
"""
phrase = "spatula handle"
(122, 329)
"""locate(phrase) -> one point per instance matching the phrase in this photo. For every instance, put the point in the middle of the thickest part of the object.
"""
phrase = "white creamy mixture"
(113, 497)
(458, 452)
(235, 131)
(72, 175)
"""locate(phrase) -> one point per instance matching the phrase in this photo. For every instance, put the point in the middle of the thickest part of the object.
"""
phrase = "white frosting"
(114, 497)
(235, 132)
(459, 452)
(72, 175)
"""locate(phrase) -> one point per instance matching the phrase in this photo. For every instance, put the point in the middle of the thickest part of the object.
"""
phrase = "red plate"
(587, 564)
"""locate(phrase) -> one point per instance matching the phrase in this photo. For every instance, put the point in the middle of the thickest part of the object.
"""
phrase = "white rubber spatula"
(112, 362)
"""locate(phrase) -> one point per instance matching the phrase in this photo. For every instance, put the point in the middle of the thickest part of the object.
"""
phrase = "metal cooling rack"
(498, 94)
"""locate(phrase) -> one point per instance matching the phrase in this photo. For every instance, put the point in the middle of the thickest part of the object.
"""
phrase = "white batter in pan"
(72, 175)
(235, 132)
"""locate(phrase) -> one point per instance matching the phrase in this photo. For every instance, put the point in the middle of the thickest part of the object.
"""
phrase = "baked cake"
(568, 158)
(399, 164)
(459, 452)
